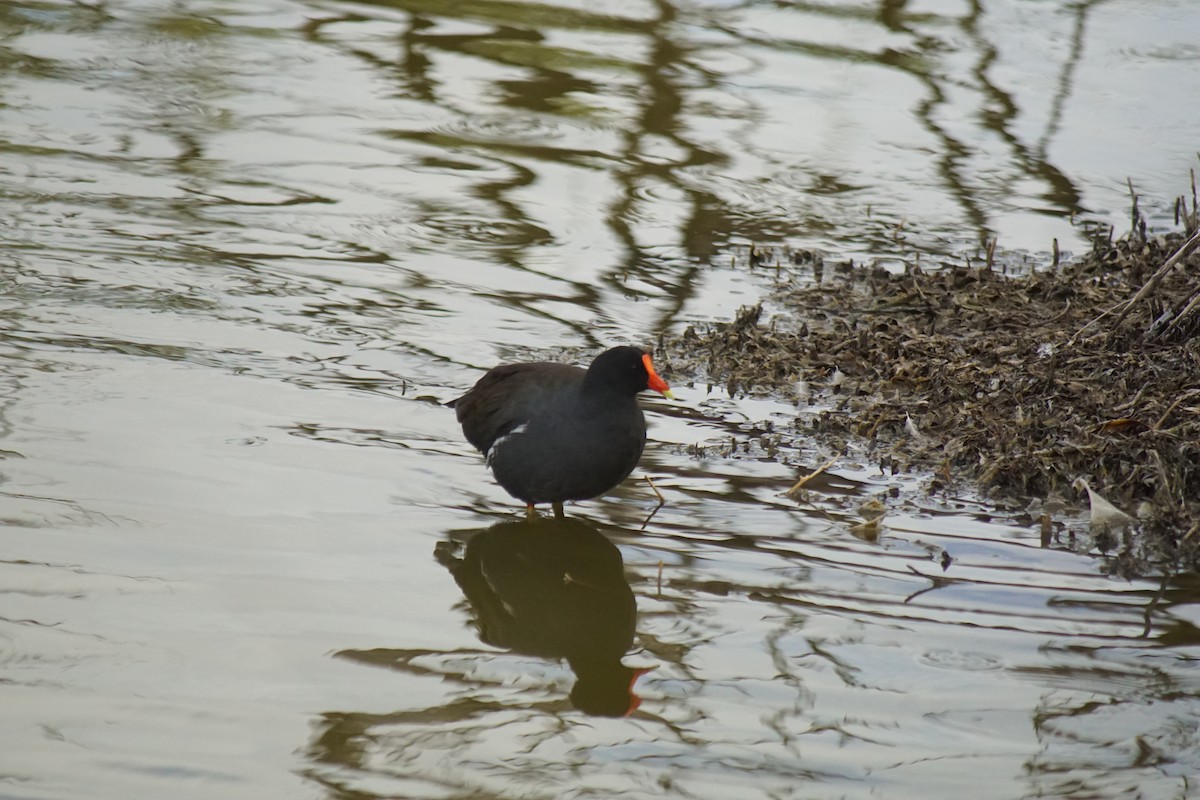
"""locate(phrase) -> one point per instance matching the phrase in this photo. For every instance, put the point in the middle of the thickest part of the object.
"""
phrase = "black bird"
(554, 432)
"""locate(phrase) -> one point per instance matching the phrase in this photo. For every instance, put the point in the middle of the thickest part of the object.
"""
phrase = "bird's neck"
(597, 394)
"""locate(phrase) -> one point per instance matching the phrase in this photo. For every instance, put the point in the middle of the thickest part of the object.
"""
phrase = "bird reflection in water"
(554, 588)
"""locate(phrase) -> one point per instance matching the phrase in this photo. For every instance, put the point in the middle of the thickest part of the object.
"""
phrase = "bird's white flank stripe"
(501, 440)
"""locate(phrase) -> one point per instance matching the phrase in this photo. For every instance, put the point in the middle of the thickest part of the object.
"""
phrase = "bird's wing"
(508, 396)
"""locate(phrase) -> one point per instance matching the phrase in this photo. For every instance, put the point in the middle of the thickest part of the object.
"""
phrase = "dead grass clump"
(1019, 384)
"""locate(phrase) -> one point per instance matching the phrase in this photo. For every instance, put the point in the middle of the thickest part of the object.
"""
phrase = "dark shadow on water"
(551, 589)
(554, 588)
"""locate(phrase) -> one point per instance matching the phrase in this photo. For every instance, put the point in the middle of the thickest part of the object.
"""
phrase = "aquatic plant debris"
(1019, 385)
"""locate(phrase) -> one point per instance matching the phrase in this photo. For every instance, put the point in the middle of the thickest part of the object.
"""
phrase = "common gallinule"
(554, 432)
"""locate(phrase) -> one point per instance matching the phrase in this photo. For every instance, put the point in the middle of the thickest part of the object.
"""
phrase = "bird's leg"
(530, 514)
(558, 511)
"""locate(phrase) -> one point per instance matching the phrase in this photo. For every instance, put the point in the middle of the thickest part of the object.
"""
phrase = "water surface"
(251, 247)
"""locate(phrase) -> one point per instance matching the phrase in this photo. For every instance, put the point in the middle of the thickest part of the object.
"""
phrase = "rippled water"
(251, 247)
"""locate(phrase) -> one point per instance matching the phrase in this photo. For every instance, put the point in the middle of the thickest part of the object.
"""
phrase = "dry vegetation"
(1019, 385)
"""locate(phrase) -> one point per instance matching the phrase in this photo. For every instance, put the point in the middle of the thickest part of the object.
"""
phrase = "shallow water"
(250, 248)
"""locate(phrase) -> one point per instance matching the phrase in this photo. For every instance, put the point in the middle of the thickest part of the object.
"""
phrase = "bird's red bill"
(655, 382)
(634, 700)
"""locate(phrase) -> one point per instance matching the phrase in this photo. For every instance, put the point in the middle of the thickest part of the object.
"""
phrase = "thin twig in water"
(800, 483)
(1158, 596)
(662, 501)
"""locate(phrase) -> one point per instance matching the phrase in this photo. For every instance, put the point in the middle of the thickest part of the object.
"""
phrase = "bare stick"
(1158, 425)
(1189, 309)
(1149, 286)
(662, 501)
(800, 483)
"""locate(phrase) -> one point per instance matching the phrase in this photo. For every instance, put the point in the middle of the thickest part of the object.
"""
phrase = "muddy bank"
(1015, 386)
